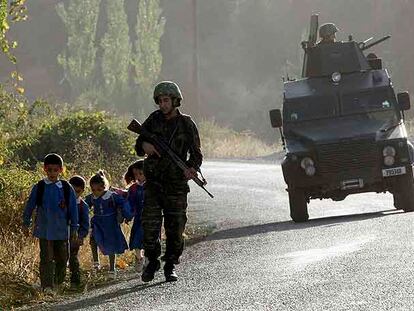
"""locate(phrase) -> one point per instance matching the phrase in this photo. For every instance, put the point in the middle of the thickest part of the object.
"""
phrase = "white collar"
(136, 183)
(57, 183)
(106, 196)
(78, 200)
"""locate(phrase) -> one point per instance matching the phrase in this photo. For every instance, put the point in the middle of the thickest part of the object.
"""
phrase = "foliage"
(221, 142)
(78, 60)
(116, 49)
(15, 122)
(15, 12)
(100, 67)
(16, 271)
(86, 140)
(147, 58)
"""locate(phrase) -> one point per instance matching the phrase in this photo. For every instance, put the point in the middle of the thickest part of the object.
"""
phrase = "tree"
(79, 58)
(116, 48)
(14, 12)
(147, 58)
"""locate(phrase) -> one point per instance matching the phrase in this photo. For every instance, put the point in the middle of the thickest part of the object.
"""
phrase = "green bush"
(86, 140)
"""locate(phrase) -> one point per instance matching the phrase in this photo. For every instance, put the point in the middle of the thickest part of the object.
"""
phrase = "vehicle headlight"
(308, 165)
(310, 170)
(336, 77)
(389, 160)
(389, 151)
(306, 162)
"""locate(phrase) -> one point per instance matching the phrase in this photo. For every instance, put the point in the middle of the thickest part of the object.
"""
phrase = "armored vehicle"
(342, 128)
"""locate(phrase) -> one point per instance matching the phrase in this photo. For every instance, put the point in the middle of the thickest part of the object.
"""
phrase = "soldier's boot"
(169, 272)
(149, 270)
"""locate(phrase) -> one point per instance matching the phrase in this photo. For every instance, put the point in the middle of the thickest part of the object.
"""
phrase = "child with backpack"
(55, 203)
(78, 183)
(136, 179)
(106, 230)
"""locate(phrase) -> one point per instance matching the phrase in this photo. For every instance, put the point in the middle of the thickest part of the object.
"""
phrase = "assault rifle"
(137, 128)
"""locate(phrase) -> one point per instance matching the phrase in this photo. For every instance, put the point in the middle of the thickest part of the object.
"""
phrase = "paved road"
(352, 255)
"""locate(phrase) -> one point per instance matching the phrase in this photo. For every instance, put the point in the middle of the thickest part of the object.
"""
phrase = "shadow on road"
(290, 225)
(101, 299)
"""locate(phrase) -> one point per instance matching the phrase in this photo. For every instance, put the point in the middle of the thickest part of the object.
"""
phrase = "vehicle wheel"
(298, 206)
(404, 195)
(397, 200)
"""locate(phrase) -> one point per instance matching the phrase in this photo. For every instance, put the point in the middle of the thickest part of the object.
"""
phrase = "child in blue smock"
(106, 229)
(78, 183)
(136, 179)
(55, 203)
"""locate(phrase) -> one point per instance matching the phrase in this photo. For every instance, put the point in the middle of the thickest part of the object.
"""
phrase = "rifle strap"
(173, 134)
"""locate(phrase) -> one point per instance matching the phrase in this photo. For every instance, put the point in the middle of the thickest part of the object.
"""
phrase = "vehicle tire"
(397, 200)
(404, 194)
(298, 206)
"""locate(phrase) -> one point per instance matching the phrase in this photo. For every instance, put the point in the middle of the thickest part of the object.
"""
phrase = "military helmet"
(327, 30)
(168, 88)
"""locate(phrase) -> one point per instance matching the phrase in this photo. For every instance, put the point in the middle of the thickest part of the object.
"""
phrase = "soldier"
(327, 33)
(166, 187)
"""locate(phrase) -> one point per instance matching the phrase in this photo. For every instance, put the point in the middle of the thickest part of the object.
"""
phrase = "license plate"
(395, 171)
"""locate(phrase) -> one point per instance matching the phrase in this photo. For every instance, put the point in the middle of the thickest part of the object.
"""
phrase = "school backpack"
(41, 189)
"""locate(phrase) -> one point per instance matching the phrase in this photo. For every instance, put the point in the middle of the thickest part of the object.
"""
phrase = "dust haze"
(237, 51)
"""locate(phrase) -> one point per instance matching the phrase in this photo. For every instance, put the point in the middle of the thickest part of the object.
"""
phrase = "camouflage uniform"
(165, 190)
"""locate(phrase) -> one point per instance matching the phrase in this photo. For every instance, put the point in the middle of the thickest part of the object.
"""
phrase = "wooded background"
(235, 50)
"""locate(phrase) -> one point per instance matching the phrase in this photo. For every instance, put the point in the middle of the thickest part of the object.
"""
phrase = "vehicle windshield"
(367, 102)
(310, 108)
(375, 104)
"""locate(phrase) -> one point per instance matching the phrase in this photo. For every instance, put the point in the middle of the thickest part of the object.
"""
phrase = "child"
(55, 204)
(78, 183)
(135, 174)
(106, 230)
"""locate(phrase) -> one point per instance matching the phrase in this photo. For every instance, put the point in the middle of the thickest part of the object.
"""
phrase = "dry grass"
(19, 262)
(222, 142)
